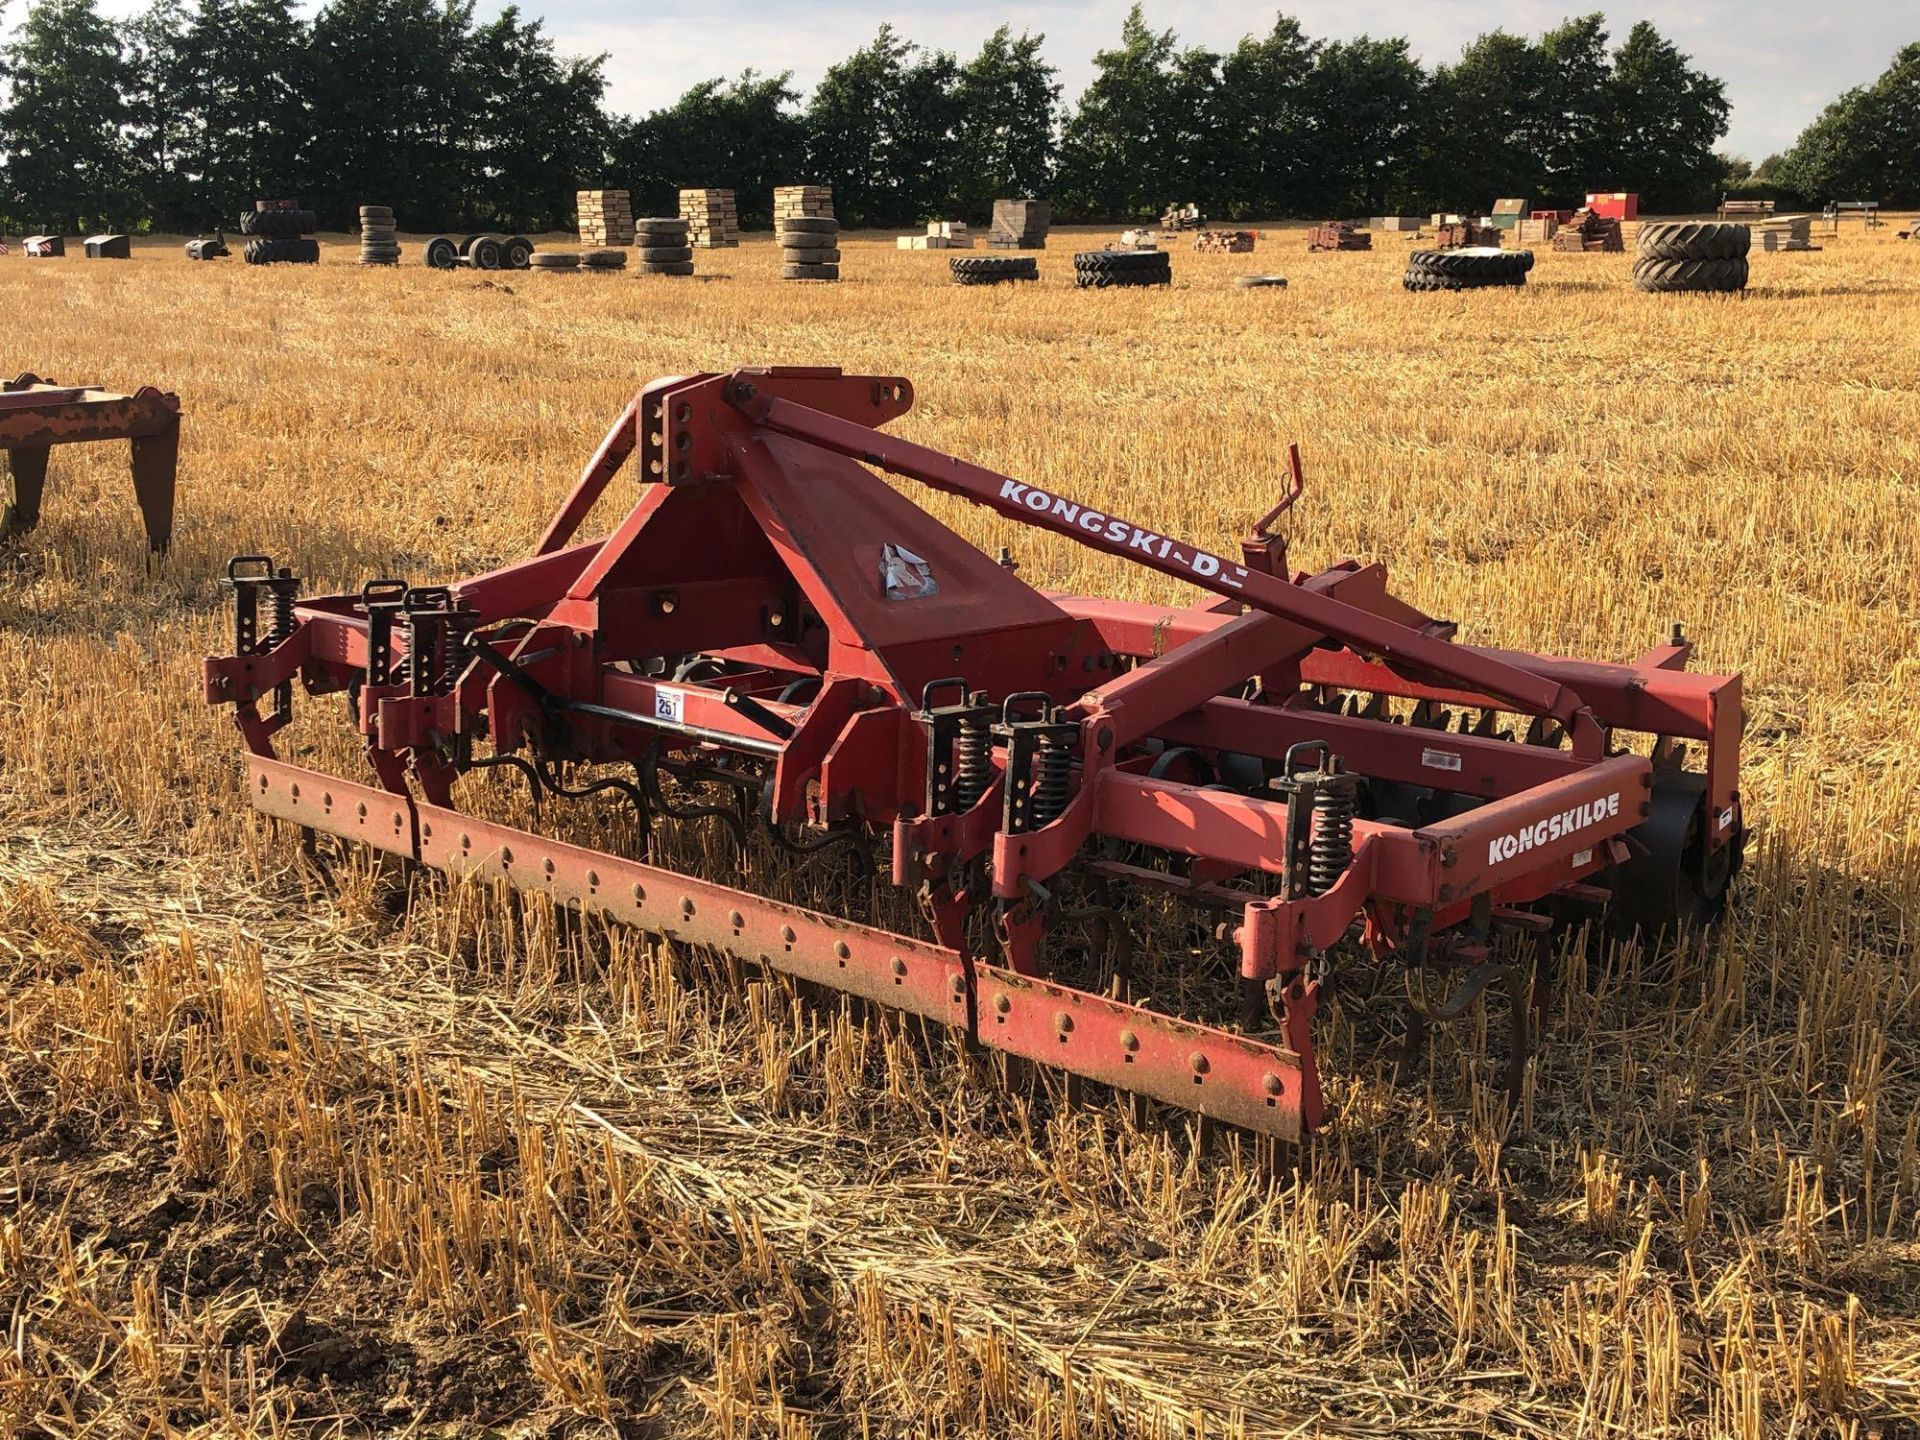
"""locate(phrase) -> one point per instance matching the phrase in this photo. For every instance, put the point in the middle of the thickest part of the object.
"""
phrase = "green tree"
(881, 130)
(160, 115)
(743, 135)
(1866, 144)
(1667, 117)
(1488, 124)
(537, 129)
(63, 128)
(250, 130)
(1142, 135)
(399, 108)
(1576, 111)
(1008, 107)
(1264, 110)
(1369, 94)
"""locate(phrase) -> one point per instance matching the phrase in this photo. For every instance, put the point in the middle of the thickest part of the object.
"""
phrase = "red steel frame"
(37, 414)
(762, 539)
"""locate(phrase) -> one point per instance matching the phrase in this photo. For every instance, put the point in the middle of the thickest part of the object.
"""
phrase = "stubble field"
(281, 1157)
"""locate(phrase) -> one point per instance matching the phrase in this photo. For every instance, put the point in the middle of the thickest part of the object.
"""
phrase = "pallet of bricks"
(1338, 235)
(1589, 232)
(606, 217)
(1224, 242)
(809, 236)
(713, 219)
(1020, 224)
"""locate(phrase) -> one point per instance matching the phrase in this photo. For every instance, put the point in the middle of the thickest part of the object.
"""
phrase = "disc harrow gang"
(776, 642)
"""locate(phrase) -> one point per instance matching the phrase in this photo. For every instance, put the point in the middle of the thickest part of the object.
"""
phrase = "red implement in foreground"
(1304, 755)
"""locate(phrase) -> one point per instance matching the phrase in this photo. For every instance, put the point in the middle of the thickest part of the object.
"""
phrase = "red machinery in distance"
(1305, 751)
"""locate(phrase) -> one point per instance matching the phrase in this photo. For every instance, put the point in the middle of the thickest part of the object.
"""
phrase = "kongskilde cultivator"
(1317, 764)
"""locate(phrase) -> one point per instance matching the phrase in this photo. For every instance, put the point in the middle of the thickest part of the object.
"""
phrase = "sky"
(1782, 60)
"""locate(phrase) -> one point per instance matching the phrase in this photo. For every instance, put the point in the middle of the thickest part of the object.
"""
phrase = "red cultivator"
(1304, 754)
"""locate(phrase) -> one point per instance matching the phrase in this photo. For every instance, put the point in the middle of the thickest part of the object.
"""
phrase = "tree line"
(183, 117)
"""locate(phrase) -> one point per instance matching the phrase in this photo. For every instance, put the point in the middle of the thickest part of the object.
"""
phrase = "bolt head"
(1199, 1062)
(1129, 1041)
(899, 966)
(1063, 1022)
(841, 949)
(1001, 1004)
(1273, 1084)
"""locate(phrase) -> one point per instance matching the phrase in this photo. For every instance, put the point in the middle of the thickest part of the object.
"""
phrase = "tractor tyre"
(808, 225)
(1675, 276)
(516, 253)
(1478, 262)
(991, 269)
(293, 250)
(808, 239)
(663, 254)
(442, 252)
(809, 272)
(554, 261)
(1694, 240)
(665, 267)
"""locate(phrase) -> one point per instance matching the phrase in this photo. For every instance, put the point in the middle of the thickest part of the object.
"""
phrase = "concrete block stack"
(802, 202)
(606, 217)
(1790, 232)
(1020, 224)
(1225, 242)
(713, 220)
(1396, 222)
(664, 245)
(809, 247)
(941, 235)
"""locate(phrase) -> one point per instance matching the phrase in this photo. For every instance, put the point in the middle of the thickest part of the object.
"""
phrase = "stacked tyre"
(661, 246)
(603, 259)
(809, 247)
(1699, 256)
(1110, 269)
(282, 234)
(1472, 267)
(379, 241)
(992, 269)
(556, 262)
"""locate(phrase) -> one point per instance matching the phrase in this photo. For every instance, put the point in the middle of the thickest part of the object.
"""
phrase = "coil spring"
(972, 759)
(1052, 769)
(457, 651)
(1330, 849)
(279, 612)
